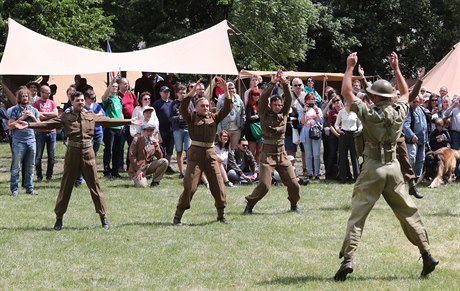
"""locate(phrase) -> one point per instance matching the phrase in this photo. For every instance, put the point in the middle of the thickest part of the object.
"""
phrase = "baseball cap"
(146, 108)
(165, 88)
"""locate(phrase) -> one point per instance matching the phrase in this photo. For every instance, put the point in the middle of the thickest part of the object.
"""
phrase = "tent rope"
(255, 44)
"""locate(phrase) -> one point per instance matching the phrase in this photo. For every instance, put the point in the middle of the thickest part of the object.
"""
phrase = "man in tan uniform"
(202, 126)
(78, 125)
(381, 174)
(273, 121)
(141, 155)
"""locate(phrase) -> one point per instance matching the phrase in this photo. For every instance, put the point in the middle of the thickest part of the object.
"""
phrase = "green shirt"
(113, 108)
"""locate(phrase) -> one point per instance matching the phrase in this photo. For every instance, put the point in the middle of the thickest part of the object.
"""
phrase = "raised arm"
(228, 101)
(347, 91)
(106, 94)
(402, 85)
(418, 85)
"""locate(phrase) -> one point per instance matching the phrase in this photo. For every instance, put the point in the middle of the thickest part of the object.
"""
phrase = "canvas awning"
(206, 52)
(445, 73)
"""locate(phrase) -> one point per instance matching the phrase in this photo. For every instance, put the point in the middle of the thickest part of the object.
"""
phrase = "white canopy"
(206, 52)
(445, 73)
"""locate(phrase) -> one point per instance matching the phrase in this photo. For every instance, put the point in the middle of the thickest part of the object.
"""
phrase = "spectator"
(326, 106)
(222, 148)
(415, 130)
(242, 167)
(144, 84)
(138, 113)
(252, 116)
(23, 145)
(92, 106)
(234, 122)
(33, 88)
(277, 178)
(46, 110)
(253, 83)
(163, 109)
(347, 124)
(128, 102)
(310, 89)
(440, 113)
(309, 117)
(111, 103)
(142, 151)
(332, 160)
(453, 112)
(181, 135)
(440, 136)
(297, 105)
(72, 89)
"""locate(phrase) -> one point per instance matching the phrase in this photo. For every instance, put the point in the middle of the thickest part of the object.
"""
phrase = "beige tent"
(206, 52)
(445, 73)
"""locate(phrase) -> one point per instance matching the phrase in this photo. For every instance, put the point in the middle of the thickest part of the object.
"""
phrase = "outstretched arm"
(418, 85)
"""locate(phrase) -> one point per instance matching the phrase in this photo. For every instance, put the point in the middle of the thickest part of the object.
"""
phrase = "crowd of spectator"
(317, 123)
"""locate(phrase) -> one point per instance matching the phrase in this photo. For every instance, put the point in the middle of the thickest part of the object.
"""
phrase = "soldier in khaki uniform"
(78, 125)
(381, 174)
(202, 157)
(273, 121)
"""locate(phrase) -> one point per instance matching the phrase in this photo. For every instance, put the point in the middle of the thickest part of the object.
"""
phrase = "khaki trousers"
(156, 169)
(269, 162)
(202, 160)
(79, 160)
(403, 159)
(386, 179)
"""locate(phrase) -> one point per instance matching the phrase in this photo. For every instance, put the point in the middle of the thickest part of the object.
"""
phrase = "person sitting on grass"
(242, 167)
(142, 151)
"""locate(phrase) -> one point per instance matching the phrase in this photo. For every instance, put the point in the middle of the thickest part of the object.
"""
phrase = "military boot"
(105, 222)
(413, 191)
(429, 264)
(345, 268)
(176, 221)
(247, 210)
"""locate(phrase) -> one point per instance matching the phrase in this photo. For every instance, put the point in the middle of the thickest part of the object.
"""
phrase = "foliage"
(270, 250)
(277, 27)
(77, 22)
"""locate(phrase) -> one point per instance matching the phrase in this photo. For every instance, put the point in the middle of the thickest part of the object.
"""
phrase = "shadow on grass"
(162, 223)
(443, 214)
(312, 278)
(341, 208)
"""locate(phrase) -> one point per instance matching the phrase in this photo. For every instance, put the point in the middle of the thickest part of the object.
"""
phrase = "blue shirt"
(96, 108)
(420, 126)
(26, 134)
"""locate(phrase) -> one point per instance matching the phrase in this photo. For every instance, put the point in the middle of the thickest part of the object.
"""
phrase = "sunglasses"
(434, 100)
(336, 100)
(297, 85)
(245, 145)
(146, 99)
(309, 80)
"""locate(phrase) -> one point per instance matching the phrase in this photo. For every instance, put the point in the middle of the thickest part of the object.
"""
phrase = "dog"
(440, 165)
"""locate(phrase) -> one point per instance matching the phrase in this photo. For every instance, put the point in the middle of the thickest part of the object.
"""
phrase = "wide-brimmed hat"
(381, 88)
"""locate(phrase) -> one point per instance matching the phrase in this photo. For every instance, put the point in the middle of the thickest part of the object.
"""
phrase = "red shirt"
(45, 106)
(129, 102)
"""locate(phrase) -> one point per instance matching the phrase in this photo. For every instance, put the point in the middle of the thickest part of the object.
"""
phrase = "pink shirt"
(45, 106)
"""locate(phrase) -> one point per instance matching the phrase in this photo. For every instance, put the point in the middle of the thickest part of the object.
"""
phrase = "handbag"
(256, 129)
(315, 131)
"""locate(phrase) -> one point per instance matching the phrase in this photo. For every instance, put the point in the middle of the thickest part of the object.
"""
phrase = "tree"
(277, 27)
(77, 22)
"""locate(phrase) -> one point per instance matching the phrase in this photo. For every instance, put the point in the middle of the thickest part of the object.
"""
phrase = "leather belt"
(274, 141)
(80, 145)
(202, 144)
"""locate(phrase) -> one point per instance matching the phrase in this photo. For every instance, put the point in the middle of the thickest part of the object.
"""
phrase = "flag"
(109, 50)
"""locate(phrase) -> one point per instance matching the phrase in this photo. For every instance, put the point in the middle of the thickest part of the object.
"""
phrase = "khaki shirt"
(382, 126)
(204, 128)
(274, 125)
(79, 126)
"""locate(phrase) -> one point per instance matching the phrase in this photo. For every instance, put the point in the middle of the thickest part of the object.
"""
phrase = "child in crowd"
(440, 136)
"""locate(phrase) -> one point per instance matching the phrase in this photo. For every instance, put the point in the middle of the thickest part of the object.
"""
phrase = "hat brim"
(369, 90)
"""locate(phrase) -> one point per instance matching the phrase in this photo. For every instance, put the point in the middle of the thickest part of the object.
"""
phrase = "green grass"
(272, 249)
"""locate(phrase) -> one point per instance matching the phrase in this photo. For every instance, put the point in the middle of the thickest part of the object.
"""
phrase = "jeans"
(126, 136)
(312, 155)
(112, 145)
(182, 140)
(455, 144)
(416, 157)
(42, 139)
(23, 153)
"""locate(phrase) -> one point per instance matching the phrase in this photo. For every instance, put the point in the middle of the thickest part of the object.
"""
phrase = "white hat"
(146, 108)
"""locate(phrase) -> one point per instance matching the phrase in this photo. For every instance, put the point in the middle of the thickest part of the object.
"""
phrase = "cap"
(146, 108)
(165, 88)
(148, 126)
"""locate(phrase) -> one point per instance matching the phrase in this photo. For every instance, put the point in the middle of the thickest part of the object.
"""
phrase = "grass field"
(272, 249)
